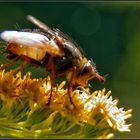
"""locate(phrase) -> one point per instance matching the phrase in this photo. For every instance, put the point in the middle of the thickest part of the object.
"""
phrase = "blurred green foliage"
(109, 33)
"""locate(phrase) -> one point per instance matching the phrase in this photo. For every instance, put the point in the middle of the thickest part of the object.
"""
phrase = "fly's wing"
(40, 24)
(33, 45)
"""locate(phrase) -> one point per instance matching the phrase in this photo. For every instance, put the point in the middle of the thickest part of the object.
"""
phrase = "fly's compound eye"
(85, 74)
(87, 70)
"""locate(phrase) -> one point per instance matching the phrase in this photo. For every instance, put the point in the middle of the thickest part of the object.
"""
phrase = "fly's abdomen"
(30, 52)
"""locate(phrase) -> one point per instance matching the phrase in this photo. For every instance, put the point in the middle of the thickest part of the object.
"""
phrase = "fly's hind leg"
(10, 62)
(21, 67)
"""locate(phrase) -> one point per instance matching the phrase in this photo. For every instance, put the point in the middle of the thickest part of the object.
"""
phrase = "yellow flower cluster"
(95, 113)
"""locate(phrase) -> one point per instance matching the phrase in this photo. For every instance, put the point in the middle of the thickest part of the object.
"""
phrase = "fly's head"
(87, 73)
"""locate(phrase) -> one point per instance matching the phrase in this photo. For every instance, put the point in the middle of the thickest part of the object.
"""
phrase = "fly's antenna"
(100, 78)
(40, 24)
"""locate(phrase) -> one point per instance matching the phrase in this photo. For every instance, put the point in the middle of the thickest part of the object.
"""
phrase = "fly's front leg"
(70, 85)
(51, 66)
(70, 74)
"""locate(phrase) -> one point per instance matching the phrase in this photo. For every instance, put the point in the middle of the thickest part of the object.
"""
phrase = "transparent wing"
(40, 24)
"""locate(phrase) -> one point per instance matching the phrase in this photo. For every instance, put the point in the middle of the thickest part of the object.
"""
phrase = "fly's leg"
(70, 86)
(70, 78)
(51, 65)
(10, 62)
(22, 66)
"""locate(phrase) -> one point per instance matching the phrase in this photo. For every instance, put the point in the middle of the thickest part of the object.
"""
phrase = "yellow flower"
(101, 102)
(9, 84)
(24, 111)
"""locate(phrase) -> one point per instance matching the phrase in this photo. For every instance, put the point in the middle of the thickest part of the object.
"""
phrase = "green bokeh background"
(109, 33)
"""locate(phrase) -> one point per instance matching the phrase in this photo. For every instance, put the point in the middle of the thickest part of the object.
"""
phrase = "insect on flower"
(51, 49)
